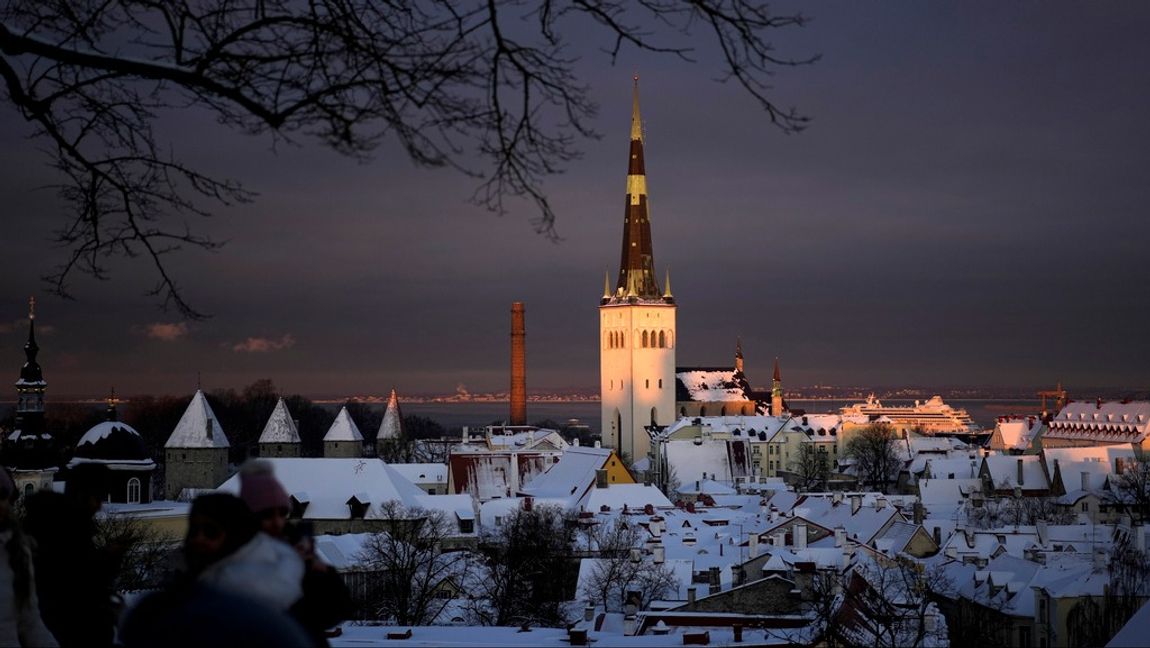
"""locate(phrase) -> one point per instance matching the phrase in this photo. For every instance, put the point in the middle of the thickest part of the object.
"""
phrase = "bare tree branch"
(455, 84)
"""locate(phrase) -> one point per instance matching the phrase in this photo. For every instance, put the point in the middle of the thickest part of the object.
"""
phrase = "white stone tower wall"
(633, 379)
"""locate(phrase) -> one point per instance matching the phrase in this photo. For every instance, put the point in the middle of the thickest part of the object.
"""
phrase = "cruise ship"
(932, 417)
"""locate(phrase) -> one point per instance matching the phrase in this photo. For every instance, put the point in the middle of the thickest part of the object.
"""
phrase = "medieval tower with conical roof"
(636, 324)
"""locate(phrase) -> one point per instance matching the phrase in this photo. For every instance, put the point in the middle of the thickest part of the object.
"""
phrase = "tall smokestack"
(518, 366)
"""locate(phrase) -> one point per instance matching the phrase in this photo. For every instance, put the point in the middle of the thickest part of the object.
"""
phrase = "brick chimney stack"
(518, 365)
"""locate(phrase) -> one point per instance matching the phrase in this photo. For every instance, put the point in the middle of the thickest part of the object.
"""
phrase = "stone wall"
(193, 468)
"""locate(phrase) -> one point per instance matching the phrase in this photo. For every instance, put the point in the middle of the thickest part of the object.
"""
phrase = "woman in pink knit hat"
(326, 600)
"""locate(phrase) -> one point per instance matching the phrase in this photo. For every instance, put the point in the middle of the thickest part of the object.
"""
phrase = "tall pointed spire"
(777, 377)
(30, 373)
(637, 264)
(636, 121)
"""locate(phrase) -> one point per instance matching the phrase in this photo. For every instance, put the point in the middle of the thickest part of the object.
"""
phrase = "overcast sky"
(968, 207)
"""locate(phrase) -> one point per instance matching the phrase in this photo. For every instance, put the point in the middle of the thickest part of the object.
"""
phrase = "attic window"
(358, 505)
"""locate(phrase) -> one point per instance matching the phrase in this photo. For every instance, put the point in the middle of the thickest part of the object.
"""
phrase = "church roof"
(280, 427)
(392, 425)
(343, 428)
(198, 427)
(30, 373)
(636, 279)
(111, 442)
(711, 384)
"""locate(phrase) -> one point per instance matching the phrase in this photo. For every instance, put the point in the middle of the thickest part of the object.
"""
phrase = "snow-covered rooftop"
(343, 428)
(328, 483)
(571, 476)
(280, 427)
(198, 427)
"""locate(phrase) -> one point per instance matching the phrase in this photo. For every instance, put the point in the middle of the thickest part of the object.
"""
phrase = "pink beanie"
(260, 489)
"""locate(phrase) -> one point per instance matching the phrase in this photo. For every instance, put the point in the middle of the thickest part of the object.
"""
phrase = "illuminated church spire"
(637, 264)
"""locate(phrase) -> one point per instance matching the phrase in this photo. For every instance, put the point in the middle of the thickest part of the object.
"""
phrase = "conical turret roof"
(198, 427)
(280, 427)
(343, 428)
(392, 425)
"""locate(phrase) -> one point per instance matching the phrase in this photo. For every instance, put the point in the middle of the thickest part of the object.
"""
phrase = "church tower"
(777, 406)
(636, 325)
(30, 451)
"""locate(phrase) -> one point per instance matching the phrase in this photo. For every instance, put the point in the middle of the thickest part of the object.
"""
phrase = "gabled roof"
(571, 476)
(193, 429)
(328, 483)
(343, 428)
(617, 496)
(280, 427)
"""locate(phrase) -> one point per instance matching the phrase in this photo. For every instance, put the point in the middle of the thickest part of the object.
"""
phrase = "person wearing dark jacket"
(74, 579)
(326, 600)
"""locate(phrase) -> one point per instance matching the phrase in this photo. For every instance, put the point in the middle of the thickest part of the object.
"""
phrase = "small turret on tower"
(738, 355)
(777, 391)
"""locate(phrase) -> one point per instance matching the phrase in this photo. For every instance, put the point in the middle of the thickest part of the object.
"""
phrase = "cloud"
(21, 326)
(167, 332)
(265, 345)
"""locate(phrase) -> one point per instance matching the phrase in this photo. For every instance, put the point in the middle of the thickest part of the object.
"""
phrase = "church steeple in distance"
(637, 265)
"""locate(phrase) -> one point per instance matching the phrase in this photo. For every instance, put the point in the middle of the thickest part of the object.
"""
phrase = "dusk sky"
(969, 206)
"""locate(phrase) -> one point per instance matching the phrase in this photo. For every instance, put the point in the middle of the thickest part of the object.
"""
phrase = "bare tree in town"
(1094, 620)
(146, 554)
(621, 575)
(1131, 489)
(530, 563)
(873, 450)
(810, 469)
(489, 88)
(415, 573)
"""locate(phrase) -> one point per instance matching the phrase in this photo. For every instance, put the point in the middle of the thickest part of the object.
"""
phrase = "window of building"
(647, 383)
(29, 489)
(644, 339)
(660, 383)
(662, 339)
(1086, 507)
(133, 491)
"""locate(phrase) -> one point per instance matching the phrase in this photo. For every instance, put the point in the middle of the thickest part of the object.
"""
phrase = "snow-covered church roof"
(711, 384)
(198, 427)
(392, 425)
(280, 427)
(343, 428)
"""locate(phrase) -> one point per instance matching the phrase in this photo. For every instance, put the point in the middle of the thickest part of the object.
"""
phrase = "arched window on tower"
(644, 339)
(703, 410)
(133, 491)
(660, 383)
(723, 411)
(29, 489)
(662, 339)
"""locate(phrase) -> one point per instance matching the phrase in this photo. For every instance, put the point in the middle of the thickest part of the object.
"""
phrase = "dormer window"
(299, 502)
(358, 505)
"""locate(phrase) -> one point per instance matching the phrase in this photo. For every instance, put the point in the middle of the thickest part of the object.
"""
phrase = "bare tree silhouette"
(453, 82)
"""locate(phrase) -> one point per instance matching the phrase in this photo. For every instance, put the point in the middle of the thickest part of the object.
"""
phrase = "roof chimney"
(518, 365)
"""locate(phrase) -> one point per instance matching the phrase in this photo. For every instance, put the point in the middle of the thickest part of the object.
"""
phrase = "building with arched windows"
(113, 462)
(639, 383)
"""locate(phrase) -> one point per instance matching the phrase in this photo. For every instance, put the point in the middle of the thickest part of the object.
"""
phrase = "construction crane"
(1058, 394)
